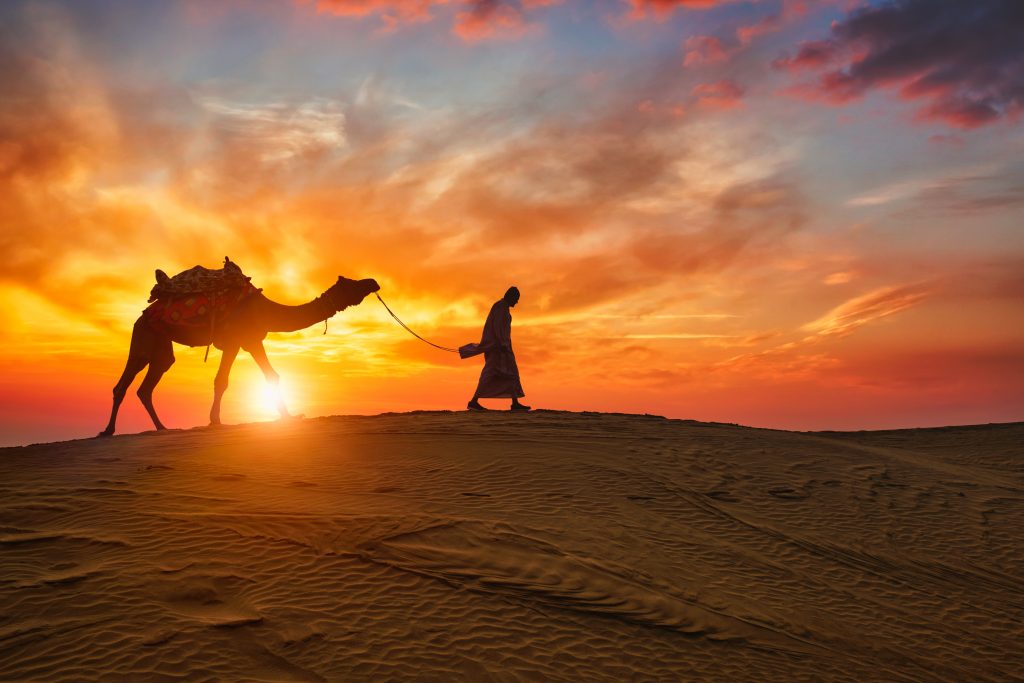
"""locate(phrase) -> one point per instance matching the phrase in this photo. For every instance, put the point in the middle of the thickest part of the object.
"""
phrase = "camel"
(245, 328)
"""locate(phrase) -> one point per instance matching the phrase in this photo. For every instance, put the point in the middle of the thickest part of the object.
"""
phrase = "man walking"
(500, 376)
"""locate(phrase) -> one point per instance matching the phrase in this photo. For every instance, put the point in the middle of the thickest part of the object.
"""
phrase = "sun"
(266, 399)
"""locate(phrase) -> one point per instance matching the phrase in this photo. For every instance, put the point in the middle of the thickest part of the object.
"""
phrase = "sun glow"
(266, 398)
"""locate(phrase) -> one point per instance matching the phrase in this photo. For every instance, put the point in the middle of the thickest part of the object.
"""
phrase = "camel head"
(345, 292)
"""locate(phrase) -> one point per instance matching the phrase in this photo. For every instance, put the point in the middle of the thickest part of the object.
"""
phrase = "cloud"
(662, 8)
(702, 50)
(864, 309)
(792, 10)
(105, 183)
(611, 205)
(958, 62)
(490, 19)
(969, 189)
(838, 278)
(390, 11)
(809, 356)
(811, 55)
(56, 127)
(474, 20)
(678, 335)
(280, 130)
(724, 94)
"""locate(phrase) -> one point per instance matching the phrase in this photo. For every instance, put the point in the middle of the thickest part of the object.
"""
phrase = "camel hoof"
(105, 432)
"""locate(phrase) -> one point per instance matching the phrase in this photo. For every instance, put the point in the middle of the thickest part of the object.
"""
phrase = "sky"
(793, 214)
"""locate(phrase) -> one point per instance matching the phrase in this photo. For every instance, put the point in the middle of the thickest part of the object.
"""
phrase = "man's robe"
(500, 376)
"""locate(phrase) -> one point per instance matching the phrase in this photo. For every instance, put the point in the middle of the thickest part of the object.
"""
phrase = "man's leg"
(516, 405)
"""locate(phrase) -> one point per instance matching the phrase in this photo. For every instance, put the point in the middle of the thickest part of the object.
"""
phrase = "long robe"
(500, 376)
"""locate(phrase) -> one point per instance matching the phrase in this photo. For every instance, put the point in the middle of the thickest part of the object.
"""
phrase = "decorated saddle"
(198, 297)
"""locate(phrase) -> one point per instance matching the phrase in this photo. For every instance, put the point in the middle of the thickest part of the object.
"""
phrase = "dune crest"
(477, 547)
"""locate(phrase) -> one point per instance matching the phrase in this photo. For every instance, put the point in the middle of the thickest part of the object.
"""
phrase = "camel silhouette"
(245, 328)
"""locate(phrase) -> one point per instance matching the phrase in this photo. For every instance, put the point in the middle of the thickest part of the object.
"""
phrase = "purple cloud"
(961, 62)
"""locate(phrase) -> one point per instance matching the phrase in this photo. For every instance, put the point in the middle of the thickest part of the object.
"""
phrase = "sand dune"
(546, 546)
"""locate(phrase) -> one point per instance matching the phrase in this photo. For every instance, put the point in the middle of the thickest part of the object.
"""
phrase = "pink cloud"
(704, 50)
(662, 8)
(490, 20)
(792, 10)
(391, 11)
(476, 20)
(724, 94)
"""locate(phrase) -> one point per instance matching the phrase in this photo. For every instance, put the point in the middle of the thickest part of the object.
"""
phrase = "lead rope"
(436, 346)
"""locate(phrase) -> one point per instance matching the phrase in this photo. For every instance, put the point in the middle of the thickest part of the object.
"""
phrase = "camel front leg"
(260, 356)
(220, 383)
(132, 367)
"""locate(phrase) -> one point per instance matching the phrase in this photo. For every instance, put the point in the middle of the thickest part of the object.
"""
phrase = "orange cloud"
(864, 309)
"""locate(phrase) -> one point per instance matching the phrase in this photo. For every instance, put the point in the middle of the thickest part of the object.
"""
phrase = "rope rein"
(436, 346)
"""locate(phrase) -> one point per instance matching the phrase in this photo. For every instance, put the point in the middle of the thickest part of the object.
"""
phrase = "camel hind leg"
(139, 354)
(161, 361)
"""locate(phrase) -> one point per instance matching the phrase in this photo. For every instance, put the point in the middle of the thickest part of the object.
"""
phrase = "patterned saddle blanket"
(199, 280)
(198, 297)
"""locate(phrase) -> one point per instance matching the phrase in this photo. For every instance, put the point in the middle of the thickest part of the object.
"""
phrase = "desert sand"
(545, 546)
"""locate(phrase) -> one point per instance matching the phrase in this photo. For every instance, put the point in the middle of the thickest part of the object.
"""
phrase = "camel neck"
(283, 318)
